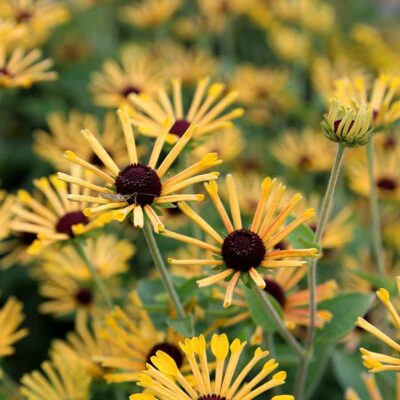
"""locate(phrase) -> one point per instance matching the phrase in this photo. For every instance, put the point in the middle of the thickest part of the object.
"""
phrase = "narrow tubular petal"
(215, 278)
(234, 202)
(190, 240)
(123, 116)
(159, 144)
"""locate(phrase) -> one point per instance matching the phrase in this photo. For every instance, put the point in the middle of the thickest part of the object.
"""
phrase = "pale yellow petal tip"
(211, 187)
(78, 229)
(280, 376)
(69, 154)
(200, 197)
(283, 397)
(87, 212)
(383, 295)
(216, 88)
(118, 216)
(35, 248)
(168, 122)
(24, 196)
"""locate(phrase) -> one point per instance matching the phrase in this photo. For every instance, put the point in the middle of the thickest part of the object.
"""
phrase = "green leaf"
(345, 309)
(187, 290)
(257, 311)
(183, 326)
(348, 369)
(378, 281)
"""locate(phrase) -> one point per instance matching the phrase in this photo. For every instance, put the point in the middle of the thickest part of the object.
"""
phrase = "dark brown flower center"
(386, 184)
(243, 249)
(211, 397)
(139, 183)
(84, 296)
(304, 162)
(180, 127)
(168, 348)
(125, 92)
(390, 142)
(23, 16)
(4, 72)
(274, 289)
(67, 221)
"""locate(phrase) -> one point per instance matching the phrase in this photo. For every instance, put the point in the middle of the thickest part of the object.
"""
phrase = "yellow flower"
(133, 339)
(386, 174)
(164, 381)
(307, 151)
(382, 97)
(372, 388)
(37, 17)
(137, 187)
(283, 287)
(239, 250)
(206, 110)
(149, 13)
(50, 215)
(378, 362)
(137, 73)
(109, 256)
(348, 126)
(11, 317)
(64, 134)
(62, 378)
(84, 344)
(262, 91)
(24, 68)
(188, 65)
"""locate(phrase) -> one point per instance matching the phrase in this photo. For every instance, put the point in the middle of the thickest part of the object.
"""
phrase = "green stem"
(96, 278)
(284, 332)
(9, 385)
(312, 273)
(374, 207)
(162, 269)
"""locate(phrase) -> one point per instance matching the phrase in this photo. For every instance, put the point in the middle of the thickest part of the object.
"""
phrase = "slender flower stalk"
(9, 385)
(162, 269)
(96, 278)
(374, 206)
(270, 310)
(312, 271)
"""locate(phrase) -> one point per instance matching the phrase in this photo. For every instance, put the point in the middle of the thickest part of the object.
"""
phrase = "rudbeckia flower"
(206, 110)
(240, 250)
(61, 378)
(133, 340)
(50, 215)
(164, 381)
(24, 68)
(137, 188)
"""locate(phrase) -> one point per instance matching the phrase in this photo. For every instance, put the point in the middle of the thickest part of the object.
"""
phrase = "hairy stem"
(312, 272)
(162, 269)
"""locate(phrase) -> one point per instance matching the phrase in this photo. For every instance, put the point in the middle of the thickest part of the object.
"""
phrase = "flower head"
(164, 381)
(138, 187)
(206, 110)
(349, 126)
(24, 68)
(283, 286)
(382, 97)
(241, 250)
(50, 215)
(63, 377)
(136, 74)
(378, 362)
(132, 341)
(11, 317)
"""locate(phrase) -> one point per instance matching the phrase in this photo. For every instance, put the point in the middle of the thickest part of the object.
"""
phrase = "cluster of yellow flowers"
(247, 242)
